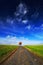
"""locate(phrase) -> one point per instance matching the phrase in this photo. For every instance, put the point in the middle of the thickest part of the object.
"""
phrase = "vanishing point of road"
(22, 57)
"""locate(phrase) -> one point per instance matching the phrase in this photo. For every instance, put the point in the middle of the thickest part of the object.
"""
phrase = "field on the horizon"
(5, 50)
(37, 49)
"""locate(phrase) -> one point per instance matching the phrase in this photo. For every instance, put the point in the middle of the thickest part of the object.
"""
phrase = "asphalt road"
(22, 57)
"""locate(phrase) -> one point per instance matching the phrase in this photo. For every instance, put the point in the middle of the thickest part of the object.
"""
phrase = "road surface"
(22, 57)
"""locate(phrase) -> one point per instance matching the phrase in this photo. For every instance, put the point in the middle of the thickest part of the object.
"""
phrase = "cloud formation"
(15, 40)
(24, 21)
(10, 20)
(28, 27)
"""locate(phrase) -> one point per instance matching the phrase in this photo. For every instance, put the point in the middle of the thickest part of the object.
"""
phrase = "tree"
(20, 43)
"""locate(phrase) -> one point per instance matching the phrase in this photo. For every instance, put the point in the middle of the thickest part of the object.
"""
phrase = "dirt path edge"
(4, 59)
(36, 55)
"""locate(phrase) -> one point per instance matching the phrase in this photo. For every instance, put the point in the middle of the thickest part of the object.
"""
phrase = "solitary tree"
(20, 43)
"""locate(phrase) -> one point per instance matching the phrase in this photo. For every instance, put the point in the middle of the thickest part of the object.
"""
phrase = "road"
(22, 57)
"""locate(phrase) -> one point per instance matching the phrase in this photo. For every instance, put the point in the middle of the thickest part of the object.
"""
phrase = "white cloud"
(17, 14)
(10, 21)
(8, 36)
(41, 25)
(20, 5)
(24, 21)
(22, 8)
(39, 28)
(19, 19)
(28, 27)
(25, 11)
(15, 40)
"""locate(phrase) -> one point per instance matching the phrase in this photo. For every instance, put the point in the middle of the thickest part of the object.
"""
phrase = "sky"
(21, 21)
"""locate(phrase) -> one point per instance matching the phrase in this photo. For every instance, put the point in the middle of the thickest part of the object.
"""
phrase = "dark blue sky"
(21, 20)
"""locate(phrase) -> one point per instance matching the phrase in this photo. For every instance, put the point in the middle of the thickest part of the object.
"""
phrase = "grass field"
(38, 49)
(5, 50)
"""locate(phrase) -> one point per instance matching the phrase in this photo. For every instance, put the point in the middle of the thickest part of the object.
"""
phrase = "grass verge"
(37, 49)
(5, 50)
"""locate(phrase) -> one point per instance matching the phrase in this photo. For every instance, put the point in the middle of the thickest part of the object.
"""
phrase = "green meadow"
(37, 49)
(6, 50)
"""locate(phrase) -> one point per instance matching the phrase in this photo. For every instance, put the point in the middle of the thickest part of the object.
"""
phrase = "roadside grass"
(37, 49)
(6, 49)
